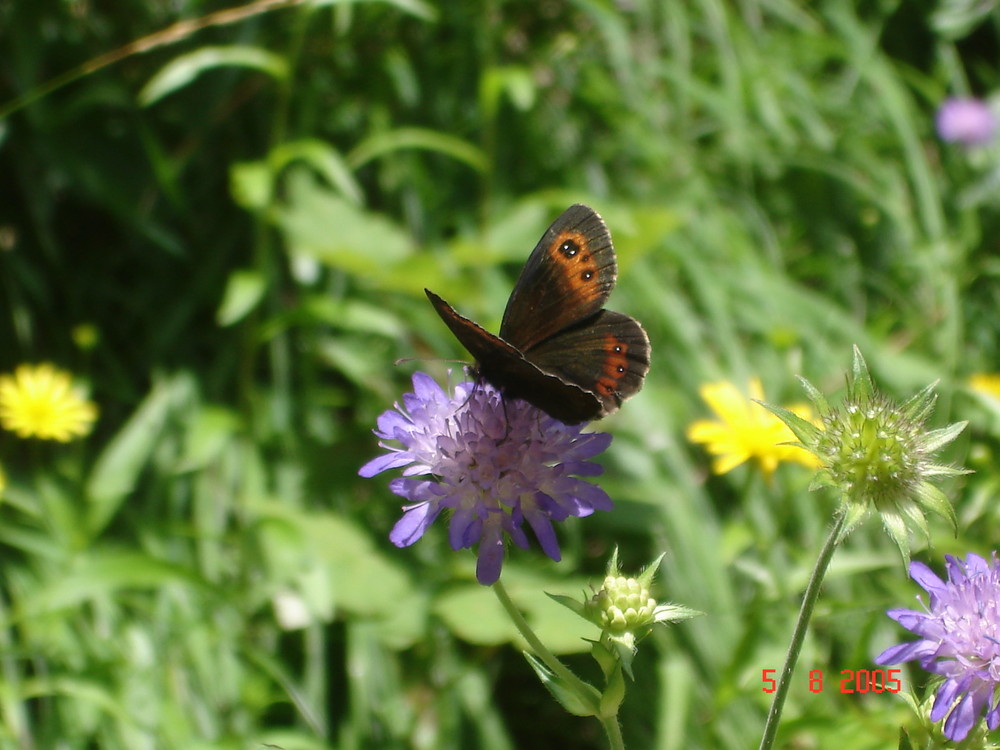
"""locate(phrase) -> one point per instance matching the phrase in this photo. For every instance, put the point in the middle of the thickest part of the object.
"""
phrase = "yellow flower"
(39, 401)
(987, 383)
(746, 430)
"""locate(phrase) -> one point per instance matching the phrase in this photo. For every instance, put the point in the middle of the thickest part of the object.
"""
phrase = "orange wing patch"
(615, 366)
(579, 275)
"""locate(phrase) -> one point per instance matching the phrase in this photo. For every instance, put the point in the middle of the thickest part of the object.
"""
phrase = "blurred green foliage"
(226, 231)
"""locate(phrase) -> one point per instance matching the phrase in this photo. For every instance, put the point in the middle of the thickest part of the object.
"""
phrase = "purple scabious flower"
(967, 121)
(960, 639)
(495, 464)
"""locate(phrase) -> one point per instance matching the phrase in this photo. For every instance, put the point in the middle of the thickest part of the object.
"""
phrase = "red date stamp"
(851, 680)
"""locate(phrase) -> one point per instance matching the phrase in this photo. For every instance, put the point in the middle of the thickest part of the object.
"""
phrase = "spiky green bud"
(878, 454)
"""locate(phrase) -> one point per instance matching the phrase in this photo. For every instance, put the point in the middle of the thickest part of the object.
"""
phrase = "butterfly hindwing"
(609, 351)
(566, 279)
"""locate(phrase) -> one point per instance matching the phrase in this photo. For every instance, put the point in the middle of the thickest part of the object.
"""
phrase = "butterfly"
(558, 349)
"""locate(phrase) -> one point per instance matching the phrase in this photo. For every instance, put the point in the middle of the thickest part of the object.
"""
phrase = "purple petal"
(545, 535)
(906, 651)
(414, 490)
(928, 581)
(583, 468)
(993, 716)
(593, 497)
(426, 388)
(911, 619)
(490, 559)
(945, 697)
(391, 423)
(961, 718)
(589, 445)
(388, 461)
(956, 572)
(414, 522)
(512, 525)
(975, 565)
(465, 528)
(549, 507)
(966, 121)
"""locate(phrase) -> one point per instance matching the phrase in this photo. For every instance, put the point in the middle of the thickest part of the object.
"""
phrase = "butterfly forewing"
(505, 367)
(566, 279)
(480, 343)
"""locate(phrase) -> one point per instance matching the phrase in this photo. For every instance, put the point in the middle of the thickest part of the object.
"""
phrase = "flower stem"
(614, 732)
(587, 694)
(798, 635)
(557, 667)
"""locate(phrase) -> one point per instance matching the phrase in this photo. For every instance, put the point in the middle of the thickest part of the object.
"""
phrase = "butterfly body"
(558, 349)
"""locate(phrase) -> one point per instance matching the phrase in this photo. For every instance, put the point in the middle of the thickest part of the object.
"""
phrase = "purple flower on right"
(959, 639)
(967, 121)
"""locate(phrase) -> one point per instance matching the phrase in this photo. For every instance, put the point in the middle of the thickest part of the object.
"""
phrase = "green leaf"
(210, 430)
(674, 613)
(936, 439)
(334, 565)
(567, 697)
(932, 498)
(117, 469)
(919, 406)
(806, 432)
(180, 71)
(516, 82)
(815, 396)
(252, 184)
(355, 315)
(473, 613)
(895, 527)
(913, 512)
(321, 224)
(862, 385)
(244, 291)
(323, 158)
(571, 603)
(104, 573)
(649, 572)
(418, 138)
(856, 514)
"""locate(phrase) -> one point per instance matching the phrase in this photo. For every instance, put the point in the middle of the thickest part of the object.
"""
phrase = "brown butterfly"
(558, 349)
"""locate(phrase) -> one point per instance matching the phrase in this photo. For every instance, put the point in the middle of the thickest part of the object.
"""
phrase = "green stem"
(798, 636)
(570, 680)
(557, 667)
(614, 732)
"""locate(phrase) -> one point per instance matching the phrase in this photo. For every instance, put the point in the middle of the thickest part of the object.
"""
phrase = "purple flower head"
(494, 464)
(960, 639)
(966, 121)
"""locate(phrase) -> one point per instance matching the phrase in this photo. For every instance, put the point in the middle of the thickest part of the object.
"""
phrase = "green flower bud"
(621, 604)
(878, 454)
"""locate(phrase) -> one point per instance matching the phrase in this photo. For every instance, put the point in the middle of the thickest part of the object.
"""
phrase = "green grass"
(247, 215)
